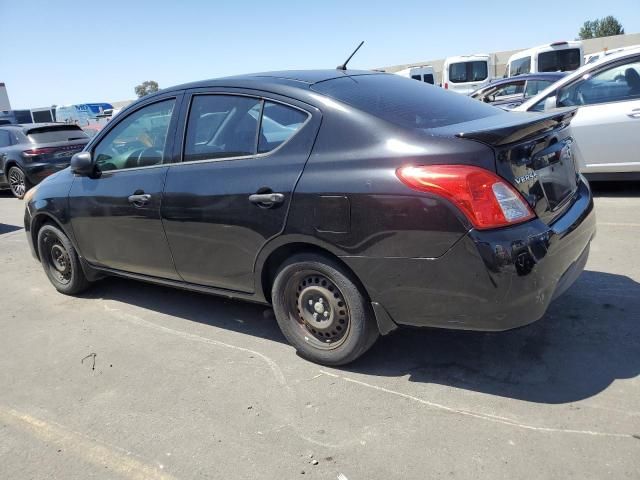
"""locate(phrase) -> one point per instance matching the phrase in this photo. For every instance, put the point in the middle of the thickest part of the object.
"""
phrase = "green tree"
(147, 87)
(603, 27)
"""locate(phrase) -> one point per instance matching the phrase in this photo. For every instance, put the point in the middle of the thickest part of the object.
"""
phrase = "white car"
(606, 127)
(466, 73)
(554, 57)
(422, 73)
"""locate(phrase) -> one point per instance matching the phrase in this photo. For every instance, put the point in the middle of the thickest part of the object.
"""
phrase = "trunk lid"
(533, 152)
(54, 143)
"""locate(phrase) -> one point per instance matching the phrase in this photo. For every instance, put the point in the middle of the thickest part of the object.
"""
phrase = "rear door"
(242, 154)
(115, 214)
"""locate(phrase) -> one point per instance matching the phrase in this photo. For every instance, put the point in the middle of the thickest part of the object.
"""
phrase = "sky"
(68, 51)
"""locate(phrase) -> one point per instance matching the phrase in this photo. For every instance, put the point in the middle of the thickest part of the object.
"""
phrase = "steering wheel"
(136, 158)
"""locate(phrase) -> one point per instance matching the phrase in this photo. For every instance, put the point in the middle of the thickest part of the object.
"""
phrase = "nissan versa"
(354, 202)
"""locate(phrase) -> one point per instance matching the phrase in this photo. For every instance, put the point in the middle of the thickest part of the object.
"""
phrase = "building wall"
(500, 58)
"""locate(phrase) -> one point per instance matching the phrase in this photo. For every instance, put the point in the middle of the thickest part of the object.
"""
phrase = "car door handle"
(266, 199)
(139, 199)
(635, 113)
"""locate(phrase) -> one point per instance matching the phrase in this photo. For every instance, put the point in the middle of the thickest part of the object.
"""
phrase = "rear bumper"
(36, 172)
(489, 280)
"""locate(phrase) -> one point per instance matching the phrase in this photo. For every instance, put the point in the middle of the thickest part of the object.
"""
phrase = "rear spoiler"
(515, 127)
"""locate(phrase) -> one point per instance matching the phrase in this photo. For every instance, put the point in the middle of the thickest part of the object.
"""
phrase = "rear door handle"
(266, 199)
(139, 199)
(635, 113)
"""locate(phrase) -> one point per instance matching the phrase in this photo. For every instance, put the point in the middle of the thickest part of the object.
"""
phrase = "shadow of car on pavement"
(589, 337)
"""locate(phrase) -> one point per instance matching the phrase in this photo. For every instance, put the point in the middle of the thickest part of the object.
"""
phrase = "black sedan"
(508, 93)
(353, 202)
(32, 152)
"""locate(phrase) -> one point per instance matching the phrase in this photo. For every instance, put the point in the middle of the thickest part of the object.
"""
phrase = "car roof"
(614, 57)
(285, 77)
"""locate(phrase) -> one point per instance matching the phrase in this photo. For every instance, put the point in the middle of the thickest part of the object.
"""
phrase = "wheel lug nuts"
(310, 302)
(315, 316)
(326, 313)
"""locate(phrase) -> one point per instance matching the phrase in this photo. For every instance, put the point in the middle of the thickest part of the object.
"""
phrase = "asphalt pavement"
(137, 381)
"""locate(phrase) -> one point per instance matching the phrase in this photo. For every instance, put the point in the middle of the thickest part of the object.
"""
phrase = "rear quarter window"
(405, 102)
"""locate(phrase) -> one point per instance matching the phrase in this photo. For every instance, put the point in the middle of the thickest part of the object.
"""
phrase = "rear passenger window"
(279, 123)
(222, 126)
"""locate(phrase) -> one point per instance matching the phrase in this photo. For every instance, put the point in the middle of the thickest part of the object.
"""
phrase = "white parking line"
(482, 416)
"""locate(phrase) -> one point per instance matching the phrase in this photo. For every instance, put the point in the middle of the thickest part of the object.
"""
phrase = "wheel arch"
(272, 258)
(38, 221)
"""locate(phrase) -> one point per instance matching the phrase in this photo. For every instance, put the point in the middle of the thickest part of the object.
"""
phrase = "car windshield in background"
(468, 72)
(559, 60)
(405, 102)
(56, 134)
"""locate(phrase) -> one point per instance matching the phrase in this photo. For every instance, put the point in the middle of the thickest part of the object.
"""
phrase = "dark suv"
(353, 202)
(29, 153)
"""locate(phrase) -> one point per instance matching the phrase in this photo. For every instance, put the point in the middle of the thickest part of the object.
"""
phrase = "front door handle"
(635, 113)
(266, 199)
(139, 199)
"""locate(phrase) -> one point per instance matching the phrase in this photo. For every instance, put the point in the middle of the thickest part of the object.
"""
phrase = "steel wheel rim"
(319, 309)
(58, 260)
(16, 182)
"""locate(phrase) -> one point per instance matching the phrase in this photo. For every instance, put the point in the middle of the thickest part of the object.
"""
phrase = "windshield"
(405, 102)
(461, 72)
(559, 60)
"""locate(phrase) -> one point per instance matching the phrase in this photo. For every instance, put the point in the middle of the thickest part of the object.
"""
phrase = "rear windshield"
(520, 66)
(62, 133)
(405, 102)
(468, 72)
(559, 60)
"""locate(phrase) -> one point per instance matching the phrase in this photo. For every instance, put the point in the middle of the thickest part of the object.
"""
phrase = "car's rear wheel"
(322, 311)
(60, 261)
(18, 181)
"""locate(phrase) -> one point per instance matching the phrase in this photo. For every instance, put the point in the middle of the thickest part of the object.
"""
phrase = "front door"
(242, 157)
(116, 213)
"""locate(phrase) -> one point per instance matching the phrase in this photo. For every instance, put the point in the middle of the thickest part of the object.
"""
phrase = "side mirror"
(82, 164)
(550, 103)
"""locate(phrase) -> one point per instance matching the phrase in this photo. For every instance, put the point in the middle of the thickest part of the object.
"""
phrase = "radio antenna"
(344, 65)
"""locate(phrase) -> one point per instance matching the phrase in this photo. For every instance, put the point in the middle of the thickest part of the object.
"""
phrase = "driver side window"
(138, 140)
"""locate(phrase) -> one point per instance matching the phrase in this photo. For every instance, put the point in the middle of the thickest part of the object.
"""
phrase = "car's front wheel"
(18, 181)
(322, 311)
(60, 261)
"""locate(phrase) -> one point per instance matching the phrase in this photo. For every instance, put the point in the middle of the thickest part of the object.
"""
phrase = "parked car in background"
(554, 57)
(466, 73)
(352, 201)
(8, 117)
(607, 125)
(508, 93)
(603, 53)
(422, 73)
(30, 153)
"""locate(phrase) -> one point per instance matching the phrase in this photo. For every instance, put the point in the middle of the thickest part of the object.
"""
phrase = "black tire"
(322, 311)
(60, 261)
(18, 181)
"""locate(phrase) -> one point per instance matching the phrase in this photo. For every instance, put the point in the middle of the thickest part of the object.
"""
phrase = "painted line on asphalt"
(618, 224)
(90, 450)
(481, 416)
(197, 338)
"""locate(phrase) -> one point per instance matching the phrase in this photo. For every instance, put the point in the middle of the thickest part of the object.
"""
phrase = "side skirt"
(99, 272)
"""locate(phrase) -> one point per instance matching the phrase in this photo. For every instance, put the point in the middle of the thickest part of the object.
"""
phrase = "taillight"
(485, 199)
(34, 152)
(446, 86)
